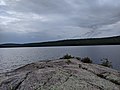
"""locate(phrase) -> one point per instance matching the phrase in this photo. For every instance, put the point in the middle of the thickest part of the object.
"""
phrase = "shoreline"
(61, 46)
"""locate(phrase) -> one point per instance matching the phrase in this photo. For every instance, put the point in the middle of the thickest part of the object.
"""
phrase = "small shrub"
(106, 63)
(86, 60)
(67, 56)
(78, 58)
(68, 61)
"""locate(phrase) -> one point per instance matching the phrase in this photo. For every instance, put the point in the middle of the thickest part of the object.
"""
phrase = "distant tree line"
(70, 42)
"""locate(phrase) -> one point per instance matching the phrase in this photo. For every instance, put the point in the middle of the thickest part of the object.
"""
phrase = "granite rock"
(60, 75)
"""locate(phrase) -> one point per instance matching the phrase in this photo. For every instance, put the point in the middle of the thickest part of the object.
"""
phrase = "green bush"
(86, 60)
(105, 62)
(78, 58)
(68, 61)
(67, 56)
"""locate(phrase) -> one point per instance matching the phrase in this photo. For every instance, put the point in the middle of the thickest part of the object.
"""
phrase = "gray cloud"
(43, 20)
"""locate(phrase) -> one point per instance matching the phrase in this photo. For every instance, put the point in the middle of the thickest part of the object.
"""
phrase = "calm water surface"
(12, 58)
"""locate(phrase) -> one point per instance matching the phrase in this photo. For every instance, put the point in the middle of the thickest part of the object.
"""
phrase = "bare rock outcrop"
(61, 75)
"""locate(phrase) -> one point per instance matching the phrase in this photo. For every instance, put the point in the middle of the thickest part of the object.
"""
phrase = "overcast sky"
(43, 20)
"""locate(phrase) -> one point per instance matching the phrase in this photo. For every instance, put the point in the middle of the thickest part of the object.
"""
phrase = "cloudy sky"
(43, 20)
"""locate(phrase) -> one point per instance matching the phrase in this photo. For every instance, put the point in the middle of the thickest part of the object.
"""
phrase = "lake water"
(12, 58)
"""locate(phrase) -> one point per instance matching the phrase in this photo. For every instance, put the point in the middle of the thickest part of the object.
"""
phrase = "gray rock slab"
(60, 75)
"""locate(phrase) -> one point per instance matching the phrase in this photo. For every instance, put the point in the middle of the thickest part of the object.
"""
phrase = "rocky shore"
(61, 75)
